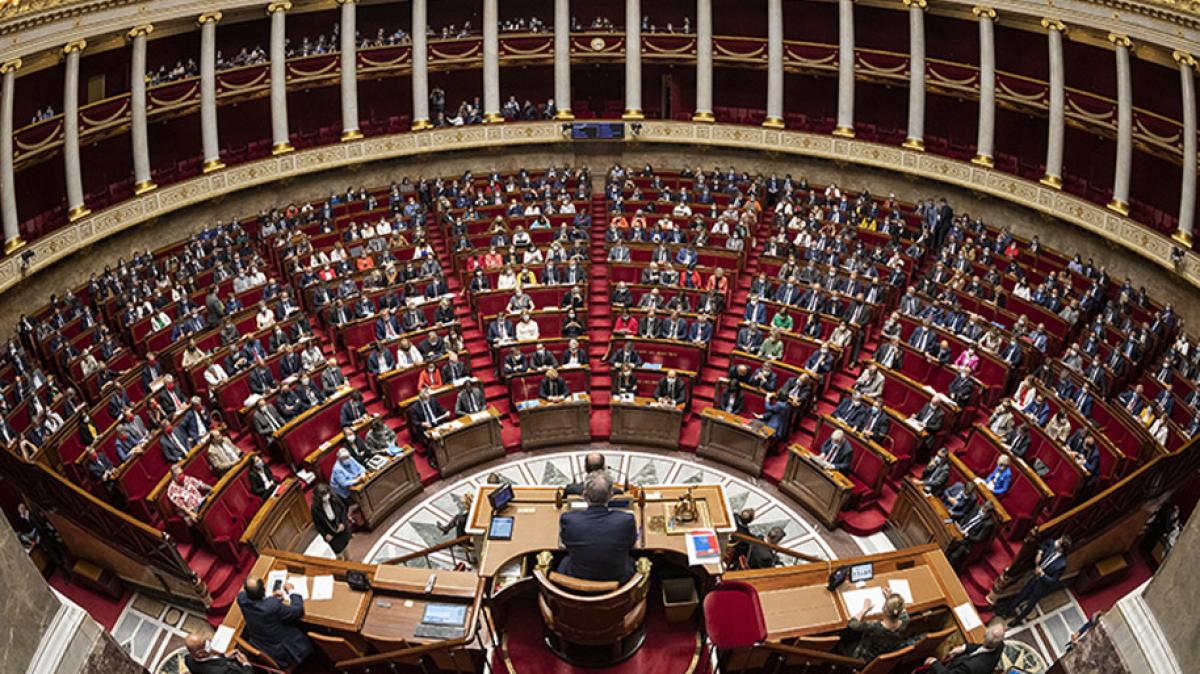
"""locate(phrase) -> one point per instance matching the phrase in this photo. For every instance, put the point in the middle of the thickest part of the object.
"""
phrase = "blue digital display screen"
(597, 131)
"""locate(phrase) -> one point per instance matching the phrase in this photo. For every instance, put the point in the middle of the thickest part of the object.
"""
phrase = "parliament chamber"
(687, 336)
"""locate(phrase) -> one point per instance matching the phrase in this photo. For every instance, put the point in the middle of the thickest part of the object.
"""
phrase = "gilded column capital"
(10, 66)
(209, 17)
(980, 11)
(279, 6)
(1120, 40)
(1184, 58)
(916, 3)
(1054, 24)
(74, 46)
(141, 31)
(346, 2)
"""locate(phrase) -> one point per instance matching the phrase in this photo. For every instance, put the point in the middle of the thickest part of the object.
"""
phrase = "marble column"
(633, 60)
(280, 136)
(845, 102)
(985, 138)
(491, 62)
(774, 118)
(137, 110)
(208, 92)
(349, 68)
(562, 60)
(1120, 197)
(420, 65)
(704, 63)
(1187, 191)
(75, 203)
(916, 76)
(1056, 124)
(8, 191)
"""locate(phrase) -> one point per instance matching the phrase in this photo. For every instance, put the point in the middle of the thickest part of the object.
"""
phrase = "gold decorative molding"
(1183, 58)
(279, 6)
(1120, 40)
(151, 203)
(75, 46)
(10, 66)
(916, 3)
(1054, 24)
(208, 17)
(981, 12)
(141, 31)
(1053, 182)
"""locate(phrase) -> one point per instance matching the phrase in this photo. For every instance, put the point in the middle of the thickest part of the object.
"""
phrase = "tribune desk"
(822, 491)
(387, 487)
(545, 424)
(467, 440)
(795, 601)
(732, 439)
(643, 421)
(535, 526)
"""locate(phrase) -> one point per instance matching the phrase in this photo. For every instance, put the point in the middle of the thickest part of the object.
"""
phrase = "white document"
(221, 640)
(967, 616)
(854, 600)
(299, 585)
(322, 588)
(901, 587)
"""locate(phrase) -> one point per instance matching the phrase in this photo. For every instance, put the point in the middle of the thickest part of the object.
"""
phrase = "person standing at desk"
(763, 556)
(598, 540)
(330, 516)
(1049, 566)
(269, 622)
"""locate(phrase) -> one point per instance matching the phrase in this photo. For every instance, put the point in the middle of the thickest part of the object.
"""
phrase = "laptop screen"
(445, 614)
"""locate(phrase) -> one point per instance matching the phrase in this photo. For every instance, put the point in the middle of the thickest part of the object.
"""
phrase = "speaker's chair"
(590, 623)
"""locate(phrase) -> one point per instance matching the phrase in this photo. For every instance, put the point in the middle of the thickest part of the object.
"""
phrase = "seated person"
(514, 362)
(732, 400)
(836, 453)
(187, 494)
(930, 417)
(553, 387)
(625, 383)
(1000, 478)
(936, 473)
(427, 413)
(961, 501)
(671, 390)
(598, 540)
(877, 637)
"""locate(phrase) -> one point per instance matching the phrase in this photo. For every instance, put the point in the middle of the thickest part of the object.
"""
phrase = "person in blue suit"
(1000, 478)
(270, 622)
(598, 540)
(777, 415)
(1048, 567)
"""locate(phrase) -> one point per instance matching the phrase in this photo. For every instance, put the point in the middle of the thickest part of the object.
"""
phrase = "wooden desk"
(645, 423)
(796, 603)
(400, 599)
(546, 424)
(733, 439)
(920, 518)
(344, 611)
(283, 522)
(467, 441)
(822, 492)
(535, 526)
(385, 489)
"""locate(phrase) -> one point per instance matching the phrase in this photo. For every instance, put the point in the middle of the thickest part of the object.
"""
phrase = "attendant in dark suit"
(598, 540)
(1049, 565)
(330, 516)
(269, 622)
(671, 390)
(973, 658)
(763, 557)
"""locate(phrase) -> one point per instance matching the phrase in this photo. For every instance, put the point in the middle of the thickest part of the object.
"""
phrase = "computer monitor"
(500, 497)
(862, 572)
(501, 529)
(445, 614)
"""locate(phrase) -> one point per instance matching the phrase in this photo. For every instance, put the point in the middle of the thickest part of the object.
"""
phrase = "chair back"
(337, 648)
(886, 663)
(590, 613)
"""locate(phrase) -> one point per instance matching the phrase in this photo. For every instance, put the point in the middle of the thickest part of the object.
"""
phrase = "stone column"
(208, 91)
(916, 76)
(349, 68)
(562, 60)
(137, 111)
(845, 103)
(1120, 198)
(1187, 191)
(985, 139)
(704, 63)
(491, 62)
(75, 204)
(420, 66)
(633, 60)
(8, 190)
(1056, 126)
(774, 118)
(280, 140)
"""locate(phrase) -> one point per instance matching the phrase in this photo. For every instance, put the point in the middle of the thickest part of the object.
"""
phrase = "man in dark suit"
(598, 540)
(836, 452)
(553, 387)
(930, 417)
(269, 622)
(501, 330)
(973, 658)
(470, 400)
(352, 410)
(200, 660)
(763, 557)
(427, 413)
(975, 530)
(593, 462)
(1049, 565)
(936, 473)
(874, 423)
(174, 447)
(267, 418)
(671, 390)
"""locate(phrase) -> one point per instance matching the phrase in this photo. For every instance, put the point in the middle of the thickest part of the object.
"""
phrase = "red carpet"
(670, 648)
(103, 609)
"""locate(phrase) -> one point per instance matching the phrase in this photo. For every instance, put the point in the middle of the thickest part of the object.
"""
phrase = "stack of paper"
(322, 588)
(854, 600)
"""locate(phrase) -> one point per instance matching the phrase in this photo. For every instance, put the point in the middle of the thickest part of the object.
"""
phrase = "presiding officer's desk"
(467, 440)
(644, 422)
(795, 601)
(546, 423)
(733, 439)
(535, 522)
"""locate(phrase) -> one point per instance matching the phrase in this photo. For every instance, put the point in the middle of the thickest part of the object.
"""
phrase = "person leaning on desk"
(598, 540)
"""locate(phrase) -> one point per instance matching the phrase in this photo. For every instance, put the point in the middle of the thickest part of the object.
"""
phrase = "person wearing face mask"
(262, 482)
(331, 518)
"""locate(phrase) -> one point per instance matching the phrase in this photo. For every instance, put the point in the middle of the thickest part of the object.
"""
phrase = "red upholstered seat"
(733, 615)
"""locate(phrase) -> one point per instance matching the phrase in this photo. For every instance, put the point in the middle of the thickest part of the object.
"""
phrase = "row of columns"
(278, 9)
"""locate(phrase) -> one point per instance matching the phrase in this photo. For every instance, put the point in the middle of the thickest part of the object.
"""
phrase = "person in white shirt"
(257, 278)
(507, 280)
(527, 329)
(312, 358)
(383, 228)
(407, 354)
(682, 210)
(265, 317)
(566, 206)
(160, 321)
(368, 231)
(89, 364)
(338, 254)
(214, 374)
